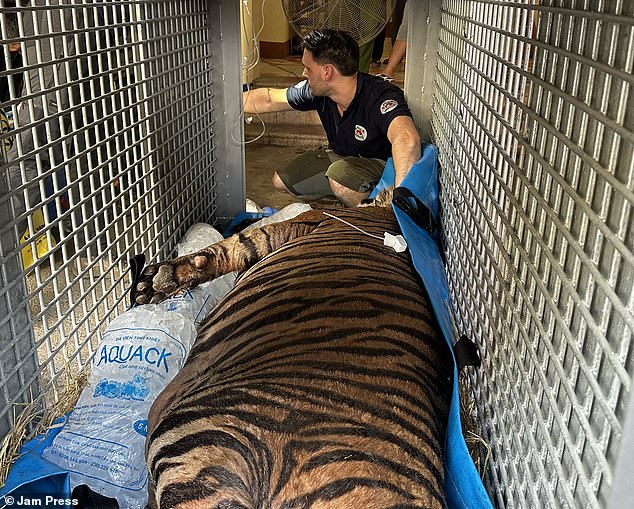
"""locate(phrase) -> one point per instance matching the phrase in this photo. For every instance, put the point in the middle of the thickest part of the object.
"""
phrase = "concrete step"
(287, 135)
(297, 118)
(276, 81)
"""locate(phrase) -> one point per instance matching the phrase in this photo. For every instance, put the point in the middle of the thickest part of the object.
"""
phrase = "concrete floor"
(261, 161)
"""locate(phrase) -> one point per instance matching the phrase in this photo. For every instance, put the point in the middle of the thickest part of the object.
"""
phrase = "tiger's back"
(321, 381)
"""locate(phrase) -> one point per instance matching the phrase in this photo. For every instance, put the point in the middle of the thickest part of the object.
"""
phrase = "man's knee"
(337, 188)
(278, 183)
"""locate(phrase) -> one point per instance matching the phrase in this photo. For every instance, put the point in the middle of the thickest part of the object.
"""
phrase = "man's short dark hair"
(334, 47)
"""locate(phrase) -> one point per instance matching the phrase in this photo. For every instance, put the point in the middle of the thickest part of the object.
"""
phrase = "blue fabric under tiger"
(463, 486)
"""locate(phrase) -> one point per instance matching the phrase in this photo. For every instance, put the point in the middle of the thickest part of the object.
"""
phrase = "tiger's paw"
(162, 280)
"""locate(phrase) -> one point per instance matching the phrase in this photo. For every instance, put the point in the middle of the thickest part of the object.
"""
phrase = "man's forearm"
(255, 101)
(265, 100)
(405, 152)
(397, 54)
(405, 141)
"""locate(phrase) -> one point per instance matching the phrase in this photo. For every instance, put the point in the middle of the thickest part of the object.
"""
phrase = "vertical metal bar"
(225, 56)
(18, 330)
(420, 63)
(622, 495)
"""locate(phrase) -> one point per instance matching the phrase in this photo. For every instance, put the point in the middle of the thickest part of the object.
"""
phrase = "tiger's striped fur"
(321, 381)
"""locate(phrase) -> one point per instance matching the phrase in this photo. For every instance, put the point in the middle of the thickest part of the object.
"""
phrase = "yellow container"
(42, 244)
(5, 127)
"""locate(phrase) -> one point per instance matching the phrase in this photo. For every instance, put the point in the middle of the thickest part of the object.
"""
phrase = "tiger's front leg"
(237, 253)
(161, 280)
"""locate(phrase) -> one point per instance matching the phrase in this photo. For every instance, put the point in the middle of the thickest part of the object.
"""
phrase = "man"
(398, 48)
(366, 120)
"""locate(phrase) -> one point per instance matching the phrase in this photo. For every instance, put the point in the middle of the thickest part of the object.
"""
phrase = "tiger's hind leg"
(205, 464)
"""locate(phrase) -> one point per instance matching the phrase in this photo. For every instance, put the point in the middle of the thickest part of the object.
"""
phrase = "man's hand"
(405, 142)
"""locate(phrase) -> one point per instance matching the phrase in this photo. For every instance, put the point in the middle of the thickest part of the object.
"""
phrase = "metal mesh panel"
(533, 118)
(111, 154)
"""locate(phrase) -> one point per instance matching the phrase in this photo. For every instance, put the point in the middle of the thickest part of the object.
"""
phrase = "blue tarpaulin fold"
(34, 477)
(463, 486)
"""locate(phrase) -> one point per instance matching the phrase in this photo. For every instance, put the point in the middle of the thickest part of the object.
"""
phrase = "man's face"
(314, 73)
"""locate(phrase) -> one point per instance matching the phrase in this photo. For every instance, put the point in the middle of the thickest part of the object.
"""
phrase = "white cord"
(396, 242)
(355, 227)
(240, 117)
(255, 52)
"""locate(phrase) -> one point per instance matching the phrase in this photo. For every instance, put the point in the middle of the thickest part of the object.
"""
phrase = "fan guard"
(362, 19)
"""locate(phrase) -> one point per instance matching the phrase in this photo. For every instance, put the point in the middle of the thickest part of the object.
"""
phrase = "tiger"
(321, 381)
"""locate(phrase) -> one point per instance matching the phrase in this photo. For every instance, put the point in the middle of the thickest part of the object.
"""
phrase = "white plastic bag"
(199, 236)
(102, 443)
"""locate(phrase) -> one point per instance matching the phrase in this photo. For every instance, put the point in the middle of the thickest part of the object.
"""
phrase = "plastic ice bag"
(198, 236)
(102, 443)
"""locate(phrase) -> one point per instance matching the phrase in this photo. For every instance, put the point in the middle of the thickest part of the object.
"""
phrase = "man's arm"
(397, 54)
(265, 100)
(405, 142)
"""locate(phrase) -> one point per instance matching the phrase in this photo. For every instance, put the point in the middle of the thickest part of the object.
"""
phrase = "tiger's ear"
(383, 199)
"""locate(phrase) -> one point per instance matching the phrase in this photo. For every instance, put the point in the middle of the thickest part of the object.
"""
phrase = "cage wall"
(533, 113)
(111, 145)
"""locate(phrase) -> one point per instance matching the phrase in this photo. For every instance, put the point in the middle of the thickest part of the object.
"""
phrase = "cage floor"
(261, 161)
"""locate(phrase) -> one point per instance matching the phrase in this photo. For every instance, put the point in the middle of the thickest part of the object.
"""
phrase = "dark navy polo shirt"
(362, 130)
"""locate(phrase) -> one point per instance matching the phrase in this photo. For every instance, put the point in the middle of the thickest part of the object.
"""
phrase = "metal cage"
(121, 137)
(531, 106)
(116, 119)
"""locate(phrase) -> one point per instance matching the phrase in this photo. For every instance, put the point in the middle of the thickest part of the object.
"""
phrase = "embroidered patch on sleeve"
(388, 105)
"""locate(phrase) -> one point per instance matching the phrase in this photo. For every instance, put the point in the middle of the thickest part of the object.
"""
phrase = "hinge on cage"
(466, 352)
(136, 264)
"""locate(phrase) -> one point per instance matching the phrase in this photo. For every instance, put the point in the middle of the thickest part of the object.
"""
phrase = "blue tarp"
(463, 486)
(33, 475)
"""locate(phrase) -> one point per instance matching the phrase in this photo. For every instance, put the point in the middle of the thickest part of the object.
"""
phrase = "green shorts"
(307, 175)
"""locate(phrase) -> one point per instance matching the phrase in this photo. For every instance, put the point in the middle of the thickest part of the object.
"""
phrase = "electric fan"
(362, 19)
